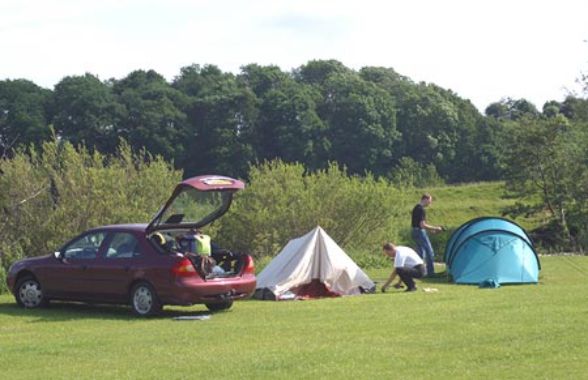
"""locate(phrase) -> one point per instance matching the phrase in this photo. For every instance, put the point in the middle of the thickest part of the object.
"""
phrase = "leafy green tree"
(548, 161)
(87, 111)
(317, 72)
(261, 79)
(153, 115)
(575, 108)
(24, 114)
(361, 120)
(429, 126)
(220, 117)
(551, 108)
(512, 109)
(288, 126)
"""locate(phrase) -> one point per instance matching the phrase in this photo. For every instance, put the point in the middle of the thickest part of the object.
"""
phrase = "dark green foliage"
(575, 108)
(207, 120)
(283, 201)
(512, 109)
(411, 173)
(3, 284)
(153, 116)
(220, 114)
(548, 166)
(24, 114)
(86, 111)
(51, 195)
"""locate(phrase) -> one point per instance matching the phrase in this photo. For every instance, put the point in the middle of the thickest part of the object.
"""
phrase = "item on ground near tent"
(491, 248)
(489, 284)
(430, 290)
(192, 317)
(312, 266)
(287, 296)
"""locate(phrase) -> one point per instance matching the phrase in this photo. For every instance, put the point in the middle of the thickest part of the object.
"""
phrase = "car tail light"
(184, 268)
(249, 265)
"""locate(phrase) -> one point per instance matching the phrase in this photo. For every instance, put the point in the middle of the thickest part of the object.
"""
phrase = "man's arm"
(389, 281)
(429, 227)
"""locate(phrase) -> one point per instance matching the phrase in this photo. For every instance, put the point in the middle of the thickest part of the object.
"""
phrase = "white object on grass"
(192, 318)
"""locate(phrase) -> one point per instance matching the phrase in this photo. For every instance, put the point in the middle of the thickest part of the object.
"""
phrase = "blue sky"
(482, 50)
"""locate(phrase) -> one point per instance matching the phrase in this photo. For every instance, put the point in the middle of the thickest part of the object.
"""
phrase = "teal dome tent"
(491, 249)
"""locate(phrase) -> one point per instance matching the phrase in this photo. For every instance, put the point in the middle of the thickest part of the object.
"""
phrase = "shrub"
(370, 259)
(3, 285)
(51, 195)
(282, 201)
(408, 172)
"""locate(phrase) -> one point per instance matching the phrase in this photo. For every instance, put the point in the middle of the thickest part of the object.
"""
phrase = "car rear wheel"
(225, 305)
(29, 293)
(144, 300)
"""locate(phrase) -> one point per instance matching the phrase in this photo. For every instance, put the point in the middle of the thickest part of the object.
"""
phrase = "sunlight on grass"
(525, 331)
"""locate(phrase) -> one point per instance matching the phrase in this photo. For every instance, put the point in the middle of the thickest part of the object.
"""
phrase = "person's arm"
(389, 281)
(429, 227)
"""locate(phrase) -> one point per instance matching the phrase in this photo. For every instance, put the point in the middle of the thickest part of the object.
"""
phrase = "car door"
(75, 277)
(118, 264)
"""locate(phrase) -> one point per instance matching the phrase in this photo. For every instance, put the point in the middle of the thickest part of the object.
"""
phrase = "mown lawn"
(531, 331)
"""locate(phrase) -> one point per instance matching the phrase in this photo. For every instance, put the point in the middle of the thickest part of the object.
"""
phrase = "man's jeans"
(408, 274)
(424, 248)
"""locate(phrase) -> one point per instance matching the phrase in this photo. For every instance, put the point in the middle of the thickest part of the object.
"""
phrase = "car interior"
(225, 262)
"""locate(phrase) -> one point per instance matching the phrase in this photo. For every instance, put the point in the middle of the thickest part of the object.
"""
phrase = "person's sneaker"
(411, 289)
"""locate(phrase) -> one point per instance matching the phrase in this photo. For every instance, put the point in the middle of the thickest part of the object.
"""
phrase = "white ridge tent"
(311, 266)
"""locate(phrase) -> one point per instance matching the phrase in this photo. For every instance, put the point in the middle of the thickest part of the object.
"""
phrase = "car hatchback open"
(145, 265)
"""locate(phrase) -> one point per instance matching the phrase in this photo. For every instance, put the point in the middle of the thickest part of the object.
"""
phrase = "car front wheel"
(29, 293)
(144, 300)
(225, 305)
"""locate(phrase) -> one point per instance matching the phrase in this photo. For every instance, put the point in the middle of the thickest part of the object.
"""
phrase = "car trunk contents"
(200, 255)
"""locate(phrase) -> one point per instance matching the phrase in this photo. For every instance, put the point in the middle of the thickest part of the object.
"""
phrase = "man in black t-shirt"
(419, 232)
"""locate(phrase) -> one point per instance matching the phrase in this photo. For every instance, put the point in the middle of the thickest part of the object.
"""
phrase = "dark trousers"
(408, 274)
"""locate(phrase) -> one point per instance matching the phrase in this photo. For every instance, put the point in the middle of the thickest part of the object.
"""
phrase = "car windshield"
(194, 207)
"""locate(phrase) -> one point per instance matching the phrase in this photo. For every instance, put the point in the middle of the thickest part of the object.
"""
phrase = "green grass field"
(528, 331)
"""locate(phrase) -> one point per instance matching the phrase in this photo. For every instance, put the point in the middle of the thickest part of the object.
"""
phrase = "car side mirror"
(58, 255)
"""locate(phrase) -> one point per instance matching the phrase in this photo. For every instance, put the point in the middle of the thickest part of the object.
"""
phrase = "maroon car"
(144, 265)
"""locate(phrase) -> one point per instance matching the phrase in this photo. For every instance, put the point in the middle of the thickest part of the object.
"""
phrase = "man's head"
(426, 199)
(389, 249)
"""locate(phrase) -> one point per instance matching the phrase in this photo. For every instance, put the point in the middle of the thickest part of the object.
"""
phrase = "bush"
(408, 172)
(370, 260)
(282, 201)
(3, 285)
(50, 196)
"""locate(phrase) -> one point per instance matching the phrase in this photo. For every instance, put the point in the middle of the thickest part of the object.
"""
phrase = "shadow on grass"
(67, 311)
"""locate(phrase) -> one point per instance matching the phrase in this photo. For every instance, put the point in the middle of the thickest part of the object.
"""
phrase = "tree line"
(206, 120)
(371, 120)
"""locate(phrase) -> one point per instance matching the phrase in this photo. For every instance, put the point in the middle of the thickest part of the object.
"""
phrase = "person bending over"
(408, 265)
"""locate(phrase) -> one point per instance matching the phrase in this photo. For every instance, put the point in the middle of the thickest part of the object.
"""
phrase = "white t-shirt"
(406, 257)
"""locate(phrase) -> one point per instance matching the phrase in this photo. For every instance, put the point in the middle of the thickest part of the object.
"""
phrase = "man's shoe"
(411, 289)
